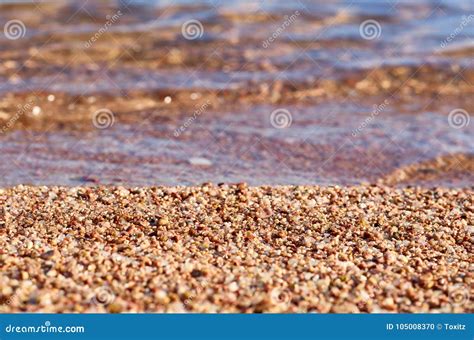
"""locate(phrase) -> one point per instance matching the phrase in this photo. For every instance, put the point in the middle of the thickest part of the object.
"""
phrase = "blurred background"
(264, 92)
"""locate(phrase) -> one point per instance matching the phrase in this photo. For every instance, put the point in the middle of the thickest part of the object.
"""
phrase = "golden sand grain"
(234, 248)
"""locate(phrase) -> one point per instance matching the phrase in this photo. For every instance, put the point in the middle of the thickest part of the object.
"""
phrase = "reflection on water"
(367, 88)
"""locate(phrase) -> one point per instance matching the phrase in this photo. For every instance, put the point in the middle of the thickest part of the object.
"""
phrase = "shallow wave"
(360, 90)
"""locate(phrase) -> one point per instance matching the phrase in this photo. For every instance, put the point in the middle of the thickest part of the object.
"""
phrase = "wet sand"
(177, 110)
(236, 249)
(320, 146)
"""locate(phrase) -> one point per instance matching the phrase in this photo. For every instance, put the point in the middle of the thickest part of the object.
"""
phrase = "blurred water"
(327, 63)
(324, 35)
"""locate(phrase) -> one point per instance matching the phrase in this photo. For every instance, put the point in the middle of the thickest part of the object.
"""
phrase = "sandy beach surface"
(235, 248)
(351, 123)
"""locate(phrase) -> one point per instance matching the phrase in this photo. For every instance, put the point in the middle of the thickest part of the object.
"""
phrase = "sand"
(234, 248)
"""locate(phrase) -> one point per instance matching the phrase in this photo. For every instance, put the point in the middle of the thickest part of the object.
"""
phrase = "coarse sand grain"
(235, 248)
